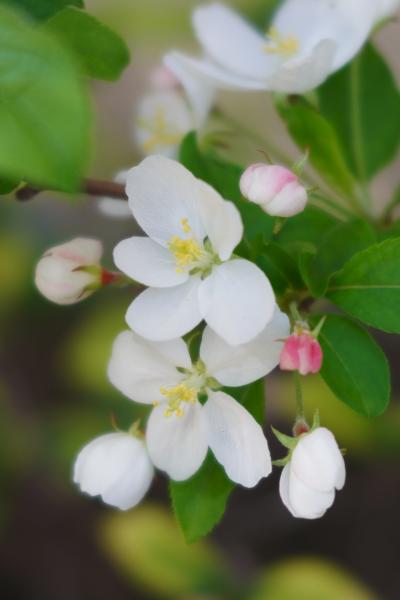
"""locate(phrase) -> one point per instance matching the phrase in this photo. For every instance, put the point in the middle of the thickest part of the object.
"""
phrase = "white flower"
(315, 470)
(180, 429)
(308, 40)
(187, 259)
(70, 272)
(112, 207)
(115, 466)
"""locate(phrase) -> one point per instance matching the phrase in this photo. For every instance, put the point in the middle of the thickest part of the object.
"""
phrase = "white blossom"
(309, 480)
(115, 466)
(180, 428)
(187, 261)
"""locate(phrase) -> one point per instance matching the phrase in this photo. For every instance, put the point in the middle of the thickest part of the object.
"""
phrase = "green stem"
(299, 397)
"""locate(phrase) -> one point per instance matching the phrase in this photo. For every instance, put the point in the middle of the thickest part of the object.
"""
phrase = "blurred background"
(54, 397)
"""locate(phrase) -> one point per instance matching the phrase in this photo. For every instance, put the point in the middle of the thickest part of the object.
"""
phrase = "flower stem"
(92, 187)
(299, 398)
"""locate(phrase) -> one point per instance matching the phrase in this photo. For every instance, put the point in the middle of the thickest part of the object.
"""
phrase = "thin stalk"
(299, 397)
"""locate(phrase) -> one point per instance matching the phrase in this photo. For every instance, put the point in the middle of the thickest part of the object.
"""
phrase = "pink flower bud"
(275, 188)
(301, 352)
(70, 272)
(162, 79)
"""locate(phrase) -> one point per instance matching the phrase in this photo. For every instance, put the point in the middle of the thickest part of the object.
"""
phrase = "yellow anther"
(185, 225)
(176, 396)
(187, 252)
(278, 44)
(160, 131)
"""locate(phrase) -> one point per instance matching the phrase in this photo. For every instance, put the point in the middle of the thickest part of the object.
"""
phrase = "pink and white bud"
(301, 352)
(315, 470)
(115, 466)
(70, 272)
(276, 189)
(162, 79)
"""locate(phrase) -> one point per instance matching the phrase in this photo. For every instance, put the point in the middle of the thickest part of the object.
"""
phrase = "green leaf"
(8, 185)
(199, 503)
(354, 366)
(102, 52)
(287, 441)
(43, 9)
(309, 227)
(310, 130)
(280, 268)
(338, 246)
(44, 116)
(224, 177)
(368, 286)
(362, 102)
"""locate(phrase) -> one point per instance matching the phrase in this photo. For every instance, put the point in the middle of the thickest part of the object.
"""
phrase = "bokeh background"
(54, 397)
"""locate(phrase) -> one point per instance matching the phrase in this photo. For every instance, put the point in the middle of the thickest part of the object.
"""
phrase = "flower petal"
(166, 313)
(237, 301)
(308, 503)
(139, 368)
(177, 445)
(236, 440)
(318, 462)
(240, 365)
(284, 489)
(232, 42)
(147, 262)
(162, 193)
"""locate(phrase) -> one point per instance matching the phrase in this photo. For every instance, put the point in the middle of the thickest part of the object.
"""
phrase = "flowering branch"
(92, 187)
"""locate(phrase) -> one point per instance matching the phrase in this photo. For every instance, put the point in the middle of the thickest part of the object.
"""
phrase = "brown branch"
(92, 187)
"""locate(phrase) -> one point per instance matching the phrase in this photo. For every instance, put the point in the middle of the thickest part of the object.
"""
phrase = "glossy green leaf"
(102, 53)
(354, 366)
(309, 227)
(44, 116)
(199, 503)
(362, 102)
(43, 9)
(368, 286)
(280, 267)
(310, 130)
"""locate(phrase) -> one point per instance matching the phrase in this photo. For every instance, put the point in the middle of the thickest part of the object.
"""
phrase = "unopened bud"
(276, 189)
(301, 352)
(70, 272)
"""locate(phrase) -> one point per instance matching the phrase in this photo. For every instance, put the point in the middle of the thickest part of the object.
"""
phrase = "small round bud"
(70, 272)
(301, 352)
(276, 189)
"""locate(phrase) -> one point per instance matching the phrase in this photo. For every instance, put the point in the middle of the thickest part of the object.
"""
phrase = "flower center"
(161, 133)
(189, 254)
(177, 395)
(281, 45)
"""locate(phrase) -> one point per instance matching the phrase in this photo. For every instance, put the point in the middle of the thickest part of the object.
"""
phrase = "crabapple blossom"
(187, 261)
(315, 470)
(276, 189)
(301, 352)
(307, 41)
(162, 79)
(115, 466)
(70, 272)
(181, 427)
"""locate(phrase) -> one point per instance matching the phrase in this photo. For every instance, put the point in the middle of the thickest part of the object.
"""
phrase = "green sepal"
(286, 440)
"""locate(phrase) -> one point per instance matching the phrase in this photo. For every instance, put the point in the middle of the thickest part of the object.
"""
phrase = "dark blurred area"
(54, 397)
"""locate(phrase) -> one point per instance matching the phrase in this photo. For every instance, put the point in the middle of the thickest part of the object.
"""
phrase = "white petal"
(139, 368)
(115, 466)
(147, 262)
(318, 462)
(237, 301)
(284, 489)
(306, 502)
(291, 200)
(116, 209)
(161, 194)
(240, 365)
(200, 95)
(177, 445)
(221, 220)
(166, 313)
(232, 42)
(236, 440)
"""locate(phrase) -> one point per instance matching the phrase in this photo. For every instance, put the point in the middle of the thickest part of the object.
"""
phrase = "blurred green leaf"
(337, 247)
(43, 9)
(224, 177)
(8, 185)
(354, 366)
(199, 503)
(44, 116)
(309, 579)
(362, 102)
(310, 130)
(309, 227)
(147, 547)
(368, 286)
(280, 268)
(101, 51)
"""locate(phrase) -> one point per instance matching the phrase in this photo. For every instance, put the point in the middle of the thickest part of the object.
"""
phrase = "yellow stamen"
(185, 225)
(186, 252)
(176, 396)
(284, 46)
(160, 131)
